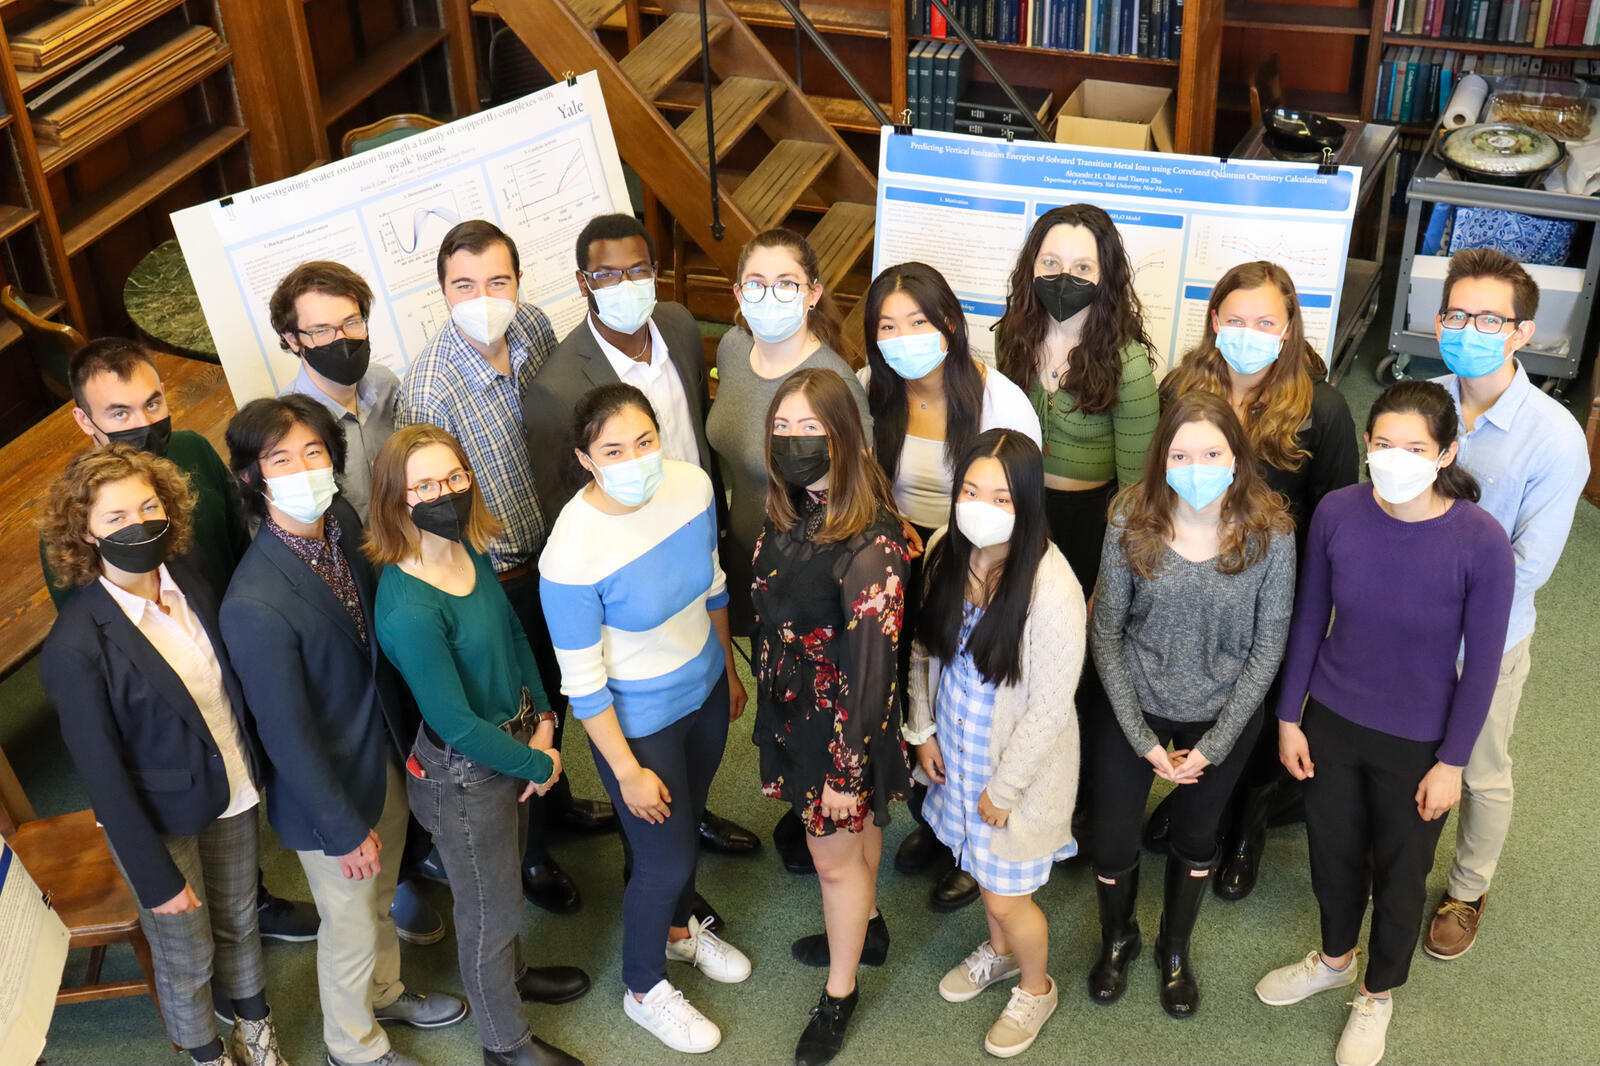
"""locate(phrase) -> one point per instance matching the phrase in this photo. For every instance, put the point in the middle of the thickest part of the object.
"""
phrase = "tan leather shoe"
(1454, 927)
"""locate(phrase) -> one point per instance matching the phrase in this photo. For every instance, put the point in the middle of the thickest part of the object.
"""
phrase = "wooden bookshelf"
(1492, 47)
(376, 69)
(1296, 18)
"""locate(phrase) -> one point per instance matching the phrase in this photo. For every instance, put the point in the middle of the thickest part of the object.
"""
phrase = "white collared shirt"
(181, 640)
(658, 380)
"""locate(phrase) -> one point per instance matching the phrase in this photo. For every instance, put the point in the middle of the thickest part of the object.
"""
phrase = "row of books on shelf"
(1560, 23)
(1407, 154)
(1415, 82)
(1150, 29)
(940, 96)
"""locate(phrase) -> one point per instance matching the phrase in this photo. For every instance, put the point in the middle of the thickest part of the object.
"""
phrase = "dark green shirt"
(466, 659)
(1110, 444)
(220, 533)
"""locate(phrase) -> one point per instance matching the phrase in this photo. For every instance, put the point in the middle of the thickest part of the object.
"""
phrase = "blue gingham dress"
(963, 713)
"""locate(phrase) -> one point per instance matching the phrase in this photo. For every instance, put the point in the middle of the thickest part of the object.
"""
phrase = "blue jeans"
(659, 895)
(473, 814)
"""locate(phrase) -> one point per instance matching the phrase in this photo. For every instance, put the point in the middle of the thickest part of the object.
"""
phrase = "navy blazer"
(139, 741)
(333, 716)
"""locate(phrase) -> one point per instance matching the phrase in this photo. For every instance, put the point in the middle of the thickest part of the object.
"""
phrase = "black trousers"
(1077, 521)
(1122, 787)
(523, 592)
(1361, 803)
(909, 631)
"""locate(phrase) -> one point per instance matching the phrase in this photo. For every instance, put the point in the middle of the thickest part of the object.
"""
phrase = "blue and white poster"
(964, 205)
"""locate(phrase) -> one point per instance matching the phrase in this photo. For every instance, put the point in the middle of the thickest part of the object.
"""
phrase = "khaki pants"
(358, 951)
(1485, 815)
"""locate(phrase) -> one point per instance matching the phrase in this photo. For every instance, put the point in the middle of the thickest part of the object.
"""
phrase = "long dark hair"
(1251, 511)
(886, 392)
(589, 416)
(1115, 317)
(995, 642)
(1432, 401)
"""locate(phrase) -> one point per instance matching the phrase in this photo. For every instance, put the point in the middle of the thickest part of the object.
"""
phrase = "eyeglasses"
(353, 328)
(429, 490)
(784, 292)
(1483, 321)
(604, 279)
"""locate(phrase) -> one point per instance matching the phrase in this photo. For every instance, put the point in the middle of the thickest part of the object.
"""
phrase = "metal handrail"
(717, 228)
(803, 24)
(1005, 86)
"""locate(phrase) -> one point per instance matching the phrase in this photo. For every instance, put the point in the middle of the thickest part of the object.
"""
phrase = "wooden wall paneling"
(1198, 67)
(463, 57)
(276, 86)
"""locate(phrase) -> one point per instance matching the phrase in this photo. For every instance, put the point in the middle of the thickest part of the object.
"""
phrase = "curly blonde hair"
(68, 546)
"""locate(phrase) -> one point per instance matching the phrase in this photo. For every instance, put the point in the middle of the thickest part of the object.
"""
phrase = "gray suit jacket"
(578, 365)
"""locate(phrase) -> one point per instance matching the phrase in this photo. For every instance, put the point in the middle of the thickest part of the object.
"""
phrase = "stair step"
(667, 52)
(840, 238)
(593, 12)
(781, 179)
(737, 103)
(809, 201)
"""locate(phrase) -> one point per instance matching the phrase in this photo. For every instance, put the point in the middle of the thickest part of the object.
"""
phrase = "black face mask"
(138, 548)
(342, 360)
(152, 438)
(1064, 295)
(445, 517)
(801, 461)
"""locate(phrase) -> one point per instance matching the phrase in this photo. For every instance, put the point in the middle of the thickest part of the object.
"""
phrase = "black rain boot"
(789, 837)
(1246, 841)
(1157, 835)
(813, 950)
(1119, 934)
(824, 1034)
(1185, 888)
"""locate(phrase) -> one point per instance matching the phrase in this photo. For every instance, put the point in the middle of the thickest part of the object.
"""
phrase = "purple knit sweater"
(1407, 598)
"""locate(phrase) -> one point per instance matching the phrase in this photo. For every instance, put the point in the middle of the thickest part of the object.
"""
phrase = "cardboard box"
(1114, 114)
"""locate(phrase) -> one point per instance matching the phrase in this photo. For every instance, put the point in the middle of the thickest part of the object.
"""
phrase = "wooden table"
(198, 395)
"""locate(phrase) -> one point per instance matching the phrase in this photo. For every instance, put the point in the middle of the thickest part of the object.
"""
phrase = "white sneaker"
(671, 1019)
(976, 972)
(1291, 984)
(1020, 1022)
(713, 956)
(1364, 1031)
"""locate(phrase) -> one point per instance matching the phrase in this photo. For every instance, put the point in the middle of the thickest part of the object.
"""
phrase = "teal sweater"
(466, 660)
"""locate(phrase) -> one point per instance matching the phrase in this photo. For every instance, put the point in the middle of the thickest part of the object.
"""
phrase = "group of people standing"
(1013, 595)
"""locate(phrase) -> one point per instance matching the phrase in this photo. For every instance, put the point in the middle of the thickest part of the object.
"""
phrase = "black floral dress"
(827, 629)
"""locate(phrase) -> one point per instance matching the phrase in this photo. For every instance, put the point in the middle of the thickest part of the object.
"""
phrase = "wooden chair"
(52, 343)
(513, 71)
(1266, 88)
(385, 131)
(68, 858)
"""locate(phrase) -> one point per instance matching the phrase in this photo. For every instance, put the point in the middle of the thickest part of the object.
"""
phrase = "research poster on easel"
(538, 167)
(965, 204)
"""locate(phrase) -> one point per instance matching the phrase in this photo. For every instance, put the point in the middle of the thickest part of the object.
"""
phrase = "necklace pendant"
(1046, 449)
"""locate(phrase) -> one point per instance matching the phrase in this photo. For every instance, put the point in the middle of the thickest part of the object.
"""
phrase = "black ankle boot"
(1246, 841)
(1119, 934)
(1157, 835)
(789, 837)
(813, 950)
(824, 1034)
(917, 852)
(534, 1053)
(1185, 888)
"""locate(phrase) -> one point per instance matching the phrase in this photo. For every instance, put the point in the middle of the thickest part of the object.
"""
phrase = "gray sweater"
(1191, 644)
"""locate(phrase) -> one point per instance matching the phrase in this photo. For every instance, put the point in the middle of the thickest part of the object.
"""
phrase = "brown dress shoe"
(1454, 927)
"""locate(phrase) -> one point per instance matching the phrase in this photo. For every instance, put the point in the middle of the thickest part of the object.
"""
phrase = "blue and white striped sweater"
(627, 599)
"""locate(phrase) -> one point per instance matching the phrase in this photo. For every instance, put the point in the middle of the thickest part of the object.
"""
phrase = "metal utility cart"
(1370, 146)
(1545, 357)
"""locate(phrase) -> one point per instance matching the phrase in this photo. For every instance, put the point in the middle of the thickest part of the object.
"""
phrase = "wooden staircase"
(807, 170)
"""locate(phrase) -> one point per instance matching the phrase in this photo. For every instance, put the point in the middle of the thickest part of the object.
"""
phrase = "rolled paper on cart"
(1466, 103)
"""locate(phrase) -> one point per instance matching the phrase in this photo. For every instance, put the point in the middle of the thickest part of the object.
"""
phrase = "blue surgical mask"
(1248, 350)
(1470, 354)
(771, 320)
(627, 305)
(914, 355)
(1200, 484)
(633, 481)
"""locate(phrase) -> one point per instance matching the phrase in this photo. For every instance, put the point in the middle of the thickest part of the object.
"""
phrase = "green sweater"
(466, 659)
(220, 533)
(1108, 444)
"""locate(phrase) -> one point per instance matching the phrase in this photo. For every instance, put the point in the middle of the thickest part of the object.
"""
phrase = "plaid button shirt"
(455, 388)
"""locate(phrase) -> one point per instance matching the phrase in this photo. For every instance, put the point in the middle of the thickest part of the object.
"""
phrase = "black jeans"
(1122, 786)
(1362, 803)
(660, 894)
(523, 592)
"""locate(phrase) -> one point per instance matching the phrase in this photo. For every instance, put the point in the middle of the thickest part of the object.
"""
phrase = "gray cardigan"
(1033, 735)
(1190, 644)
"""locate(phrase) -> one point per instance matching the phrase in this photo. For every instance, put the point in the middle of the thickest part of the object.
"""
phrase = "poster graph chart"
(555, 178)
(407, 226)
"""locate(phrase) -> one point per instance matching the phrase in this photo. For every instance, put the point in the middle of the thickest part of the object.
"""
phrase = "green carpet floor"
(1521, 996)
